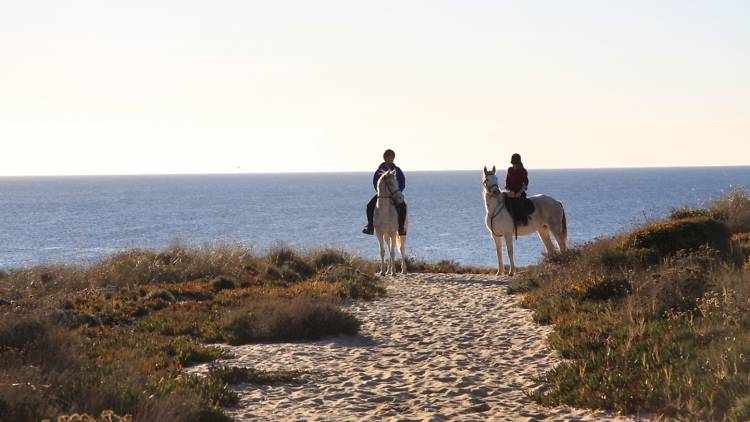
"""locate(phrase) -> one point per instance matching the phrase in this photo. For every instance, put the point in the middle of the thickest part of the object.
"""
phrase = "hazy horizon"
(361, 171)
(94, 88)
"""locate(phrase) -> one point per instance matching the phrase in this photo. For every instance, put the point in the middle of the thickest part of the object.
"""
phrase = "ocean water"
(82, 219)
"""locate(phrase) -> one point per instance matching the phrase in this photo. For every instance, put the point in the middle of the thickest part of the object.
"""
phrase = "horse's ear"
(493, 169)
(485, 171)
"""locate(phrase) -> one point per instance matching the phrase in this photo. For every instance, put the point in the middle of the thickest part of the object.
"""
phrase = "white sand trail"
(438, 347)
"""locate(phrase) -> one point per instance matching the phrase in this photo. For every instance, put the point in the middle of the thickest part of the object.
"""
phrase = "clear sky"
(128, 87)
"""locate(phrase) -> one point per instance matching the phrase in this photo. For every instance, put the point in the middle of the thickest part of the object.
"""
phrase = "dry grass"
(77, 341)
(651, 327)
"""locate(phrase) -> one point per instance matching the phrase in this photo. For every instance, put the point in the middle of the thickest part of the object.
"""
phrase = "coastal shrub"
(160, 294)
(666, 336)
(223, 283)
(354, 284)
(280, 319)
(177, 264)
(733, 209)
(239, 375)
(442, 266)
(678, 289)
(601, 287)
(188, 351)
(292, 265)
(328, 257)
(666, 238)
(687, 212)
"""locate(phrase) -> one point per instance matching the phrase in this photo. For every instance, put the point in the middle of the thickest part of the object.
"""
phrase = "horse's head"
(489, 181)
(388, 186)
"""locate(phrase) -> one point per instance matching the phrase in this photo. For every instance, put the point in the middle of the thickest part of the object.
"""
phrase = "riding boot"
(370, 211)
(401, 211)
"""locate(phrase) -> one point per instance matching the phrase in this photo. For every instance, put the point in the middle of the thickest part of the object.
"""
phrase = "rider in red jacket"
(517, 179)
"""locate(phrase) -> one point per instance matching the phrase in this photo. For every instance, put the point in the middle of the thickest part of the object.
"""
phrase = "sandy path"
(438, 347)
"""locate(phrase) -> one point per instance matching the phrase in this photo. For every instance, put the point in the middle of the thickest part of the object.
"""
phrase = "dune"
(438, 347)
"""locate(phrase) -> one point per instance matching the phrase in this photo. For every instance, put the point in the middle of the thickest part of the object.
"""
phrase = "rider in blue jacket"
(388, 157)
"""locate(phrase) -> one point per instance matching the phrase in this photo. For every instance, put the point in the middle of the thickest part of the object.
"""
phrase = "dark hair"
(389, 152)
(515, 158)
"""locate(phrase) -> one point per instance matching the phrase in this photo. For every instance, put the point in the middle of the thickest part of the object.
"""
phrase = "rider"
(388, 157)
(516, 183)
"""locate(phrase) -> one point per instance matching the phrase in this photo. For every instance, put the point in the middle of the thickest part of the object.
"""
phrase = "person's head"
(515, 159)
(389, 156)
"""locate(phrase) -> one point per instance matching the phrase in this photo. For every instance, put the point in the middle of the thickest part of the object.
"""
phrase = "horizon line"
(352, 171)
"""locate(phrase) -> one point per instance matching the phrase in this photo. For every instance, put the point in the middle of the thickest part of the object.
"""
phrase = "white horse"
(548, 216)
(385, 221)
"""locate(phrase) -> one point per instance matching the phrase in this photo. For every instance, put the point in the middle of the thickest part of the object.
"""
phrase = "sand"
(438, 347)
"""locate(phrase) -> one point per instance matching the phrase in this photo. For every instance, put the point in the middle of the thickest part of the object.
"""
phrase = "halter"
(388, 186)
(499, 208)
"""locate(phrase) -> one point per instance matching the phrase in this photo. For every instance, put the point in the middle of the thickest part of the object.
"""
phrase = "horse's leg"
(560, 231)
(392, 252)
(509, 245)
(499, 247)
(382, 253)
(401, 242)
(562, 243)
(544, 236)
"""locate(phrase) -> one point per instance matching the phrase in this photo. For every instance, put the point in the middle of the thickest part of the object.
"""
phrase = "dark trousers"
(400, 210)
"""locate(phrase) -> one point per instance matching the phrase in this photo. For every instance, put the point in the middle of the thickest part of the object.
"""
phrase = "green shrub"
(667, 238)
(678, 289)
(601, 287)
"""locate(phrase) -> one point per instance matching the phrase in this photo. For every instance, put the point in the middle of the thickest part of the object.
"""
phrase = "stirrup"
(402, 232)
(367, 230)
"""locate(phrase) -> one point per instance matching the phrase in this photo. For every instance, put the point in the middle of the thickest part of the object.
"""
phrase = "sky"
(161, 87)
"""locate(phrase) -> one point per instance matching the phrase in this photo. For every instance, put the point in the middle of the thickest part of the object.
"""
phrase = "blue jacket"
(385, 167)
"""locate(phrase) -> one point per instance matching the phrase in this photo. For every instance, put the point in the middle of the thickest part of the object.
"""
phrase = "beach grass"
(111, 339)
(652, 321)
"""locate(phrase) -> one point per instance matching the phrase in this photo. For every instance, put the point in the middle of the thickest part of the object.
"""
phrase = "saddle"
(520, 208)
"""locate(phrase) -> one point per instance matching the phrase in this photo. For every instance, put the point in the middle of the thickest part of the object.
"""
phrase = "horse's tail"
(564, 227)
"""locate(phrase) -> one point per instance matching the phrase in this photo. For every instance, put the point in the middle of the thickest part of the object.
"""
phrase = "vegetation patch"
(112, 339)
(280, 319)
(660, 332)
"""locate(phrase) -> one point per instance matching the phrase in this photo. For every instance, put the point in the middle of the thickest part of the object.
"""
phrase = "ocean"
(73, 220)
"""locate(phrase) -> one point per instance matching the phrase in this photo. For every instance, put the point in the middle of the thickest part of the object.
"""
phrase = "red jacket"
(515, 179)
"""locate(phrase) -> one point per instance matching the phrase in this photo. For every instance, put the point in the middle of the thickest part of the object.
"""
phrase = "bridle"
(391, 191)
(501, 203)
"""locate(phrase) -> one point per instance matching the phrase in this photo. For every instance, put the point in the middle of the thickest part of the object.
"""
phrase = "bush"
(602, 287)
(687, 212)
(161, 294)
(281, 319)
(236, 375)
(329, 257)
(734, 210)
(667, 238)
(223, 283)
(292, 266)
(678, 289)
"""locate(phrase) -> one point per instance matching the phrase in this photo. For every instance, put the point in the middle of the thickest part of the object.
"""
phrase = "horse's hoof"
(381, 273)
(510, 274)
(500, 273)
